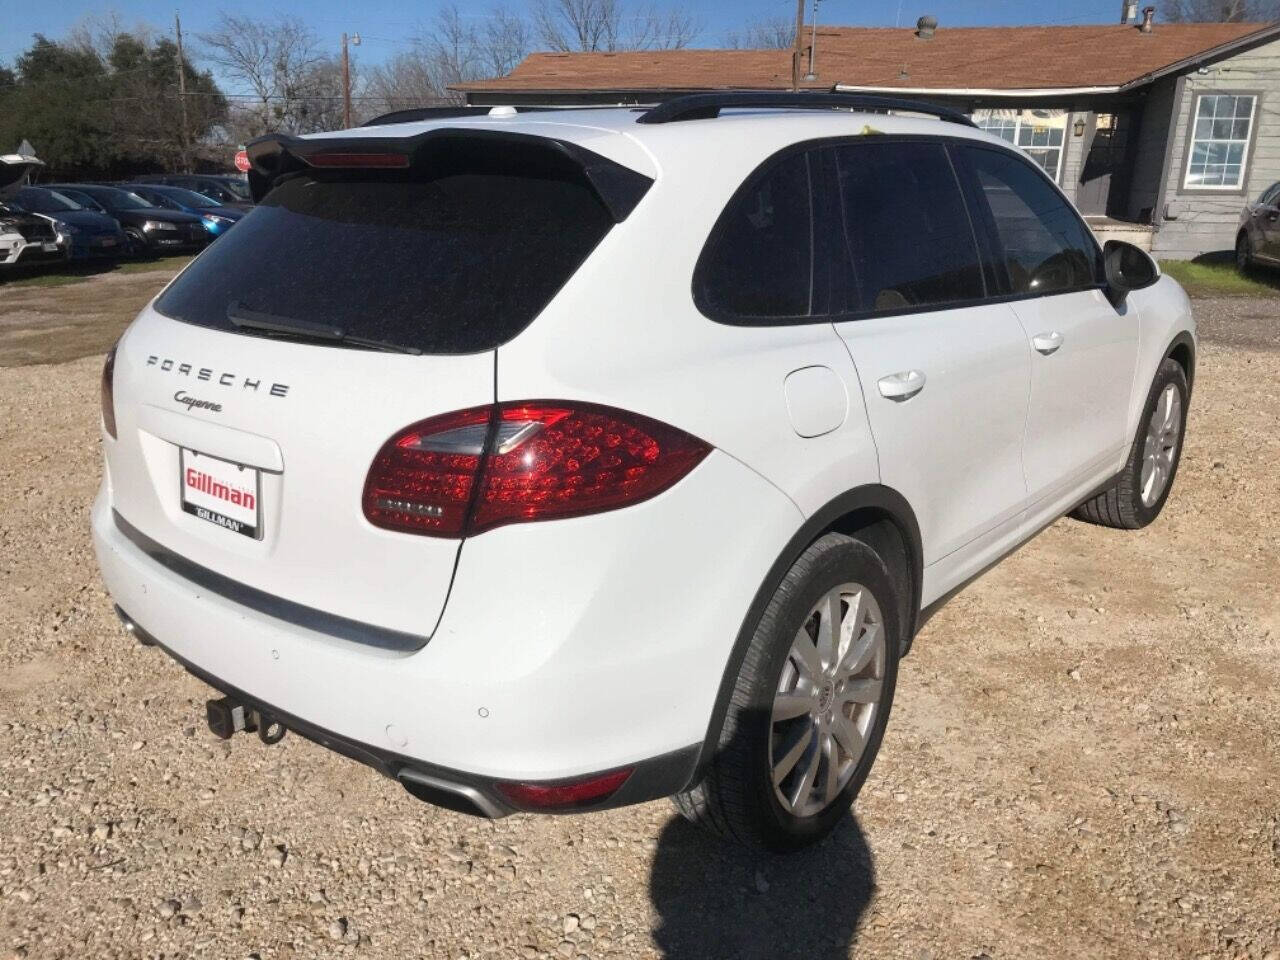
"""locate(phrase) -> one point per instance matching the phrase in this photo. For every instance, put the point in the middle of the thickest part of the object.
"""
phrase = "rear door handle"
(901, 386)
(1047, 343)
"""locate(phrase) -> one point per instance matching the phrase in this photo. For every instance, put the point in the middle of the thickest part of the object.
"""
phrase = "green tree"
(146, 108)
(56, 103)
(110, 113)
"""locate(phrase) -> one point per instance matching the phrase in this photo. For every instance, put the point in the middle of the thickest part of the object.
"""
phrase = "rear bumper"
(566, 648)
(451, 789)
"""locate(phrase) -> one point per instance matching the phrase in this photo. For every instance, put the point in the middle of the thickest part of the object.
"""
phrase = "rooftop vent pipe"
(1148, 14)
(1129, 12)
(926, 26)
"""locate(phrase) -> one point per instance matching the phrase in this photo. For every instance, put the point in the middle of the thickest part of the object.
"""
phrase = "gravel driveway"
(1083, 760)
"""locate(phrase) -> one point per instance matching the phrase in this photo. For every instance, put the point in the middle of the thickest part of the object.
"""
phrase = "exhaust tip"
(452, 796)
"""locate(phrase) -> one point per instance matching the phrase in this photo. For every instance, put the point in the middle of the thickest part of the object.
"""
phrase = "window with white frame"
(1039, 133)
(1219, 141)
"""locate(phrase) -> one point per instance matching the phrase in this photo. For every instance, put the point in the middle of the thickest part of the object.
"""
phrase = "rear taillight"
(470, 471)
(109, 393)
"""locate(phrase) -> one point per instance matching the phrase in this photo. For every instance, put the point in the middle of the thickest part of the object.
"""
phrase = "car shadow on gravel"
(716, 900)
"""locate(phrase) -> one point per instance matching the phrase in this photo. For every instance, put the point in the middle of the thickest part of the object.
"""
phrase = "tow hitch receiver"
(227, 717)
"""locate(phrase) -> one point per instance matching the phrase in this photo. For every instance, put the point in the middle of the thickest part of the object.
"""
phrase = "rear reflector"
(470, 471)
(109, 393)
(375, 160)
(580, 793)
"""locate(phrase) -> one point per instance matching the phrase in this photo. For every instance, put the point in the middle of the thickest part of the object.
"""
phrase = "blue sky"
(385, 24)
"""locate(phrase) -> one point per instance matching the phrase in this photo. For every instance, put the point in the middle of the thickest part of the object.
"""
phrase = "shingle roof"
(998, 58)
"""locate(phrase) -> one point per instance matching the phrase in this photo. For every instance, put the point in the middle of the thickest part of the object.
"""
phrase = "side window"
(757, 268)
(1044, 246)
(1271, 196)
(908, 240)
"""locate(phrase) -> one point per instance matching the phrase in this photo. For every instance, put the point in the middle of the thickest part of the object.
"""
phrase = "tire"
(1128, 504)
(737, 798)
(1244, 251)
(137, 247)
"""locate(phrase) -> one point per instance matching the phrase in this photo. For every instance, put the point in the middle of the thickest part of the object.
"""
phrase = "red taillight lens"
(423, 477)
(477, 469)
(581, 793)
(375, 160)
(109, 393)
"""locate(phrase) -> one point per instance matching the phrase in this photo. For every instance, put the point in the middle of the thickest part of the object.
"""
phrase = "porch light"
(1078, 128)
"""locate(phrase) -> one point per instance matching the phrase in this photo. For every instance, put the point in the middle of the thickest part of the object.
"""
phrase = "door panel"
(1080, 390)
(954, 448)
(1100, 191)
(944, 375)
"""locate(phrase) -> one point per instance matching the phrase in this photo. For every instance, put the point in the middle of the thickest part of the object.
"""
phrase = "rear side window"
(1044, 246)
(908, 242)
(456, 264)
(757, 267)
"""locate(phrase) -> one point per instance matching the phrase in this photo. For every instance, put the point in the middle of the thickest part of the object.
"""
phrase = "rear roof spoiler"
(449, 149)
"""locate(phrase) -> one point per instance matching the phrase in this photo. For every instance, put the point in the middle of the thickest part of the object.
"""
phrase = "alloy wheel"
(1160, 450)
(827, 699)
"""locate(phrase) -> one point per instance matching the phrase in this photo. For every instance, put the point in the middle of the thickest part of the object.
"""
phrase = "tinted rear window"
(909, 243)
(457, 264)
(758, 266)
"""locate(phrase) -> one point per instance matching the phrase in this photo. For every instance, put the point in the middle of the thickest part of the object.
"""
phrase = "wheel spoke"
(1147, 478)
(831, 758)
(861, 651)
(805, 656)
(792, 754)
(804, 785)
(829, 621)
(847, 735)
(862, 691)
(1170, 398)
(787, 706)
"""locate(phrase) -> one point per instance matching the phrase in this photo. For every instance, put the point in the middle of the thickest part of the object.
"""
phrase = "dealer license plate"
(222, 492)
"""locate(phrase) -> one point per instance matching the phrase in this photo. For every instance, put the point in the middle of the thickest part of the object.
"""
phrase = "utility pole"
(346, 85)
(182, 95)
(813, 45)
(798, 50)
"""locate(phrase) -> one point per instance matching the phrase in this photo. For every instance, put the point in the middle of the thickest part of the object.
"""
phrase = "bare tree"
(1221, 10)
(278, 60)
(589, 25)
(775, 33)
(405, 81)
(449, 50)
(505, 42)
(656, 28)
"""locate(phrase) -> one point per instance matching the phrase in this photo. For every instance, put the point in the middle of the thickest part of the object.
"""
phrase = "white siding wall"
(1206, 222)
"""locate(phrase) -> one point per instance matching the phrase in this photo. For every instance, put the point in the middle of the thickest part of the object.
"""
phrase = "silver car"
(1258, 240)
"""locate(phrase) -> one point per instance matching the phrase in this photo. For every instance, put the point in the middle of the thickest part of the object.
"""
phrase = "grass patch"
(173, 264)
(46, 280)
(1219, 278)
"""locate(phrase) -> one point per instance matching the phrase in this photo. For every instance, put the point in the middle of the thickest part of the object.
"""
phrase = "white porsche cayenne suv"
(559, 460)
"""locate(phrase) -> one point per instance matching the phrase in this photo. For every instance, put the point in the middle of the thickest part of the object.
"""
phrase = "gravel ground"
(1082, 761)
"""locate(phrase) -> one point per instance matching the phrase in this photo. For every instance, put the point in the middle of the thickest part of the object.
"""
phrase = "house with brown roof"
(1157, 131)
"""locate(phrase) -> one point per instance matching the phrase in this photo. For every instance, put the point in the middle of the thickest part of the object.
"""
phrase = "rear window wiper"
(271, 323)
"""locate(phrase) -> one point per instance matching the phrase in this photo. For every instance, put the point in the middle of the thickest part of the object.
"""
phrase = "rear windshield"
(457, 264)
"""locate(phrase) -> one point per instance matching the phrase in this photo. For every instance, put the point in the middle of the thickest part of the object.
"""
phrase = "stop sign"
(242, 161)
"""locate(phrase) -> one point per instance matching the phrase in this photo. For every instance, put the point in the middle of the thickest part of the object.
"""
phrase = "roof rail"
(437, 113)
(424, 113)
(705, 106)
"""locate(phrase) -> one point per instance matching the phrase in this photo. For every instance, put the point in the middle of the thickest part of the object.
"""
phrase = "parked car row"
(56, 223)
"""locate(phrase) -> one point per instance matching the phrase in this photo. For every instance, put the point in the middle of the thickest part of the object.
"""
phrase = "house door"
(1101, 174)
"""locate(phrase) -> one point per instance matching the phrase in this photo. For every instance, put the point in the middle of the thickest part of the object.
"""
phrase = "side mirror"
(1128, 268)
